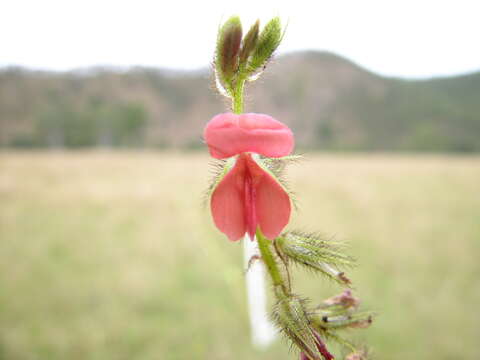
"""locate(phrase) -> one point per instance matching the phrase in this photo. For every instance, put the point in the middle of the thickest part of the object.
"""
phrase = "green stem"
(238, 96)
(269, 260)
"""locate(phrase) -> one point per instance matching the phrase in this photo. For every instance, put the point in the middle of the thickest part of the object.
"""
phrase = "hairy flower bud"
(268, 41)
(315, 253)
(228, 48)
(291, 317)
(249, 42)
(340, 311)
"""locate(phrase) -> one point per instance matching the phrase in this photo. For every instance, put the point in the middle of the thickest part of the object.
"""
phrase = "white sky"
(401, 38)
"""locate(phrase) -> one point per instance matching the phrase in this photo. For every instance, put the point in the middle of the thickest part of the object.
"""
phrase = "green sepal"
(220, 170)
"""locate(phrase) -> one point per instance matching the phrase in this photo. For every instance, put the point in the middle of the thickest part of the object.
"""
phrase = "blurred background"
(106, 251)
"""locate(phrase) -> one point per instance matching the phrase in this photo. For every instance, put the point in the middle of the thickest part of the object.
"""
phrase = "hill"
(329, 102)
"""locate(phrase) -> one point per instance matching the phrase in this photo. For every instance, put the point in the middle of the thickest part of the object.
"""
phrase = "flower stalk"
(270, 263)
(238, 97)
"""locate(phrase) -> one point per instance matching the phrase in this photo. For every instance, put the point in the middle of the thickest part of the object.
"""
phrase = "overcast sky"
(420, 38)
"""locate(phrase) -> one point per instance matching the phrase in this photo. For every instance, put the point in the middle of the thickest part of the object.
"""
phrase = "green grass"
(112, 256)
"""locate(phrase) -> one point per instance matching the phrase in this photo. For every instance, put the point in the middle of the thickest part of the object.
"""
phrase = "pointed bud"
(228, 47)
(249, 42)
(291, 317)
(317, 254)
(267, 43)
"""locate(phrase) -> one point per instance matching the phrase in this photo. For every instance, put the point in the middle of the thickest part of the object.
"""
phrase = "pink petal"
(227, 203)
(248, 197)
(231, 134)
(272, 202)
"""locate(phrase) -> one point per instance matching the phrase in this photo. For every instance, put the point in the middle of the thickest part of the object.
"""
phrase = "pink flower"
(249, 196)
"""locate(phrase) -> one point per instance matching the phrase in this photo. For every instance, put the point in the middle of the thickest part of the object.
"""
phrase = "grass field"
(112, 256)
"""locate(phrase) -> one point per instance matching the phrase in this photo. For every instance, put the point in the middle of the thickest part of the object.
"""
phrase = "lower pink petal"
(227, 203)
(272, 202)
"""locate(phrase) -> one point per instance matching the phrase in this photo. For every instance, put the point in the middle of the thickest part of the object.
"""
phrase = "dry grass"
(111, 255)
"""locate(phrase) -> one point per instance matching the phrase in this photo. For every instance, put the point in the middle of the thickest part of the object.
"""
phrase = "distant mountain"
(329, 102)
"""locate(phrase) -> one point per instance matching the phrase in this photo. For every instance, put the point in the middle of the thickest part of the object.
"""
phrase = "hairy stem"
(285, 265)
(237, 101)
(269, 260)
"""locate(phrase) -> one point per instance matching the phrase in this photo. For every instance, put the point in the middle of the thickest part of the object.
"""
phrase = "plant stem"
(269, 260)
(285, 264)
(237, 100)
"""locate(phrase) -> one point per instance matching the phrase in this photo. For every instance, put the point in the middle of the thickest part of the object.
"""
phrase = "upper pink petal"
(272, 202)
(227, 203)
(231, 134)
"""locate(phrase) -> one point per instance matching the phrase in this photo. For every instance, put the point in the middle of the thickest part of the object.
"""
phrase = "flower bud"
(317, 254)
(291, 317)
(340, 312)
(267, 43)
(249, 42)
(228, 47)
(345, 301)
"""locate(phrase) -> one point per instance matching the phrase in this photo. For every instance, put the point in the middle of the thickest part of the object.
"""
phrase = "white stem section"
(263, 331)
